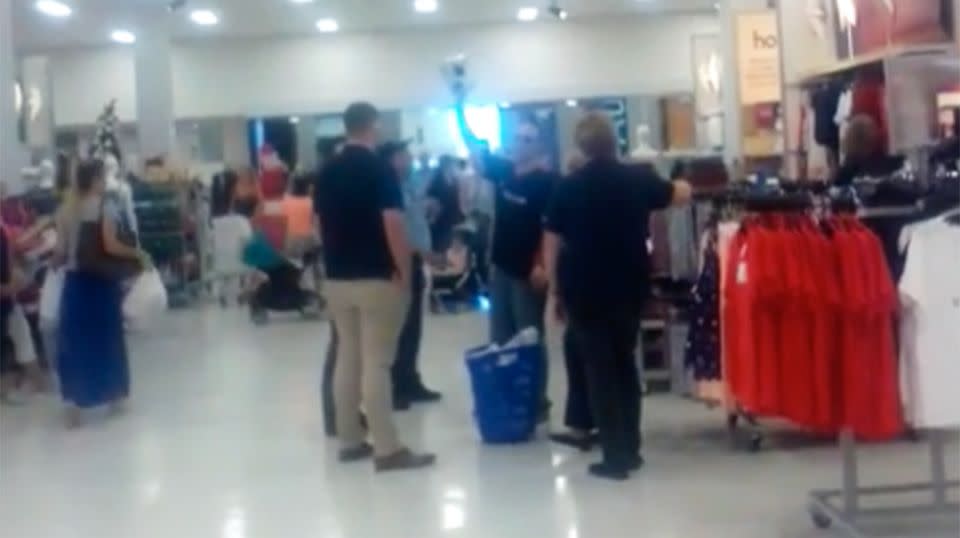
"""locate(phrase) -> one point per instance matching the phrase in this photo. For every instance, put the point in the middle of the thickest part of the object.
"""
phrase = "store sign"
(758, 58)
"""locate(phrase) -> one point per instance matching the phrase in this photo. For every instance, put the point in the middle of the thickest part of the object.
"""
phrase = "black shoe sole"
(607, 472)
(583, 444)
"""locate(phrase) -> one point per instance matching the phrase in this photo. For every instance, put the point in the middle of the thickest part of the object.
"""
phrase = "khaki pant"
(368, 315)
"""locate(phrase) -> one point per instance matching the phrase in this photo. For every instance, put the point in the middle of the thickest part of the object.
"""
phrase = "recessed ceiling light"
(571, 103)
(123, 36)
(204, 17)
(527, 14)
(328, 25)
(301, 1)
(425, 6)
(505, 104)
(295, 119)
(53, 8)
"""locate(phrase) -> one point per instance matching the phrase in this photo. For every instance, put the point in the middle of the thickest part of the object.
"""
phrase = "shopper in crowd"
(518, 280)
(408, 387)
(596, 255)
(580, 430)
(297, 207)
(246, 193)
(91, 348)
(863, 152)
(368, 262)
(10, 370)
(444, 197)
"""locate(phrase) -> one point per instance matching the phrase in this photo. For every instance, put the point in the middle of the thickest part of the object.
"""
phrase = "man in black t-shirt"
(598, 263)
(368, 261)
(518, 281)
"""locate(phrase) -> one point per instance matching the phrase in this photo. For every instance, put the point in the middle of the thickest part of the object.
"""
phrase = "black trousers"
(577, 415)
(326, 384)
(607, 347)
(8, 362)
(406, 375)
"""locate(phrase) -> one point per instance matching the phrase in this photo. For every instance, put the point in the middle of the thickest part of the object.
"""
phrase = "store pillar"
(154, 81)
(732, 111)
(13, 154)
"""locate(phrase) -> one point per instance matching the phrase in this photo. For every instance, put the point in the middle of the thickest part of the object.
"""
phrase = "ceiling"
(93, 20)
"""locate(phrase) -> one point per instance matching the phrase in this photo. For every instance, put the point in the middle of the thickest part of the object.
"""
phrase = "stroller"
(281, 290)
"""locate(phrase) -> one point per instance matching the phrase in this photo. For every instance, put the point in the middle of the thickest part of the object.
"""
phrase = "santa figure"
(273, 173)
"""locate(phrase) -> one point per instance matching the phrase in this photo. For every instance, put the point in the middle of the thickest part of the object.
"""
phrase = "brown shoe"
(357, 453)
(403, 460)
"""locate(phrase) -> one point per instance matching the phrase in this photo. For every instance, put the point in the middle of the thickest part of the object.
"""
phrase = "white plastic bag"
(22, 338)
(146, 300)
(50, 295)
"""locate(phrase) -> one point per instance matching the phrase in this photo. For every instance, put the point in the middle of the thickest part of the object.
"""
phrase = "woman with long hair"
(245, 199)
(91, 348)
(443, 193)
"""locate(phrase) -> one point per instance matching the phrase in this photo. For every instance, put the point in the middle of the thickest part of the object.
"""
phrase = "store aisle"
(223, 439)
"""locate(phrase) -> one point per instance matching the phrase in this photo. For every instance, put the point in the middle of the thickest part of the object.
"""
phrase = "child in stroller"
(456, 281)
(281, 290)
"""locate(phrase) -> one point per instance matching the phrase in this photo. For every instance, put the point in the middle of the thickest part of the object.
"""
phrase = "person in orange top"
(298, 208)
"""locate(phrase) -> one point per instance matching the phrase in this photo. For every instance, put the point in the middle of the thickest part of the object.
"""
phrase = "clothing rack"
(843, 508)
(850, 516)
(743, 427)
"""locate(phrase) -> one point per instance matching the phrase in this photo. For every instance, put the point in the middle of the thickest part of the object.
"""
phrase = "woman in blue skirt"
(91, 348)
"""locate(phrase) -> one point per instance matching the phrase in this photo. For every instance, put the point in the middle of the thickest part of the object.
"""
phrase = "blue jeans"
(514, 306)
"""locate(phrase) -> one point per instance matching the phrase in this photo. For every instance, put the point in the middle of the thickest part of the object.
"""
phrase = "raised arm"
(657, 192)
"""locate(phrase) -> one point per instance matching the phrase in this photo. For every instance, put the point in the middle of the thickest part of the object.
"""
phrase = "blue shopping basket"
(506, 392)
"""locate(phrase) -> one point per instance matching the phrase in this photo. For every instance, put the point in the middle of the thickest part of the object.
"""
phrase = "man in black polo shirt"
(368, 261)
(596, 255)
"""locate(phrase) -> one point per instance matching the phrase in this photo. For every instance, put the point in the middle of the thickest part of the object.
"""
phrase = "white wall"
(322, 73)
(84, 81)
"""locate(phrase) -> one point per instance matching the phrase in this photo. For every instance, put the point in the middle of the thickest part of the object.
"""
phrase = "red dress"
(826, 304)
(766, 319)
(880, 415)
(738, 328)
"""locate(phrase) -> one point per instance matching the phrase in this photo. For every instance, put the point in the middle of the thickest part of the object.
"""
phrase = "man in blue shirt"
(408, 387)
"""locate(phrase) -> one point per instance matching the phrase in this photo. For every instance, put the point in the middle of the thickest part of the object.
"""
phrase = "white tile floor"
(223, 439)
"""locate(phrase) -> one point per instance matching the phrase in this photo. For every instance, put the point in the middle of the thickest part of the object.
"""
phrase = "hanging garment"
(807, 325)
(930, 320)
(702, 353)
(683, 246)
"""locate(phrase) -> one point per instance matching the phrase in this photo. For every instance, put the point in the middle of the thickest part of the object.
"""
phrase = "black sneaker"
(403, 460)
(609, 471)
(424, 395)
(401, 403)
(358, 453)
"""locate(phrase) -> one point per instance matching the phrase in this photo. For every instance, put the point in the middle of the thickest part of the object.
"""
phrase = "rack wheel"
(820, 520)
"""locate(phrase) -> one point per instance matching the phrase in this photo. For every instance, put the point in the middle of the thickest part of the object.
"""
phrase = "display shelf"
(850, 64)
